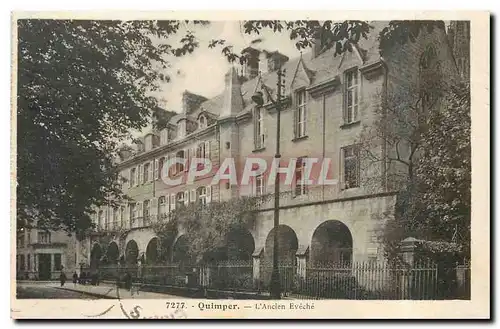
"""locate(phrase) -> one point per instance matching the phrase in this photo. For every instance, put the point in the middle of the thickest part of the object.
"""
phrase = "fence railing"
(362, 280)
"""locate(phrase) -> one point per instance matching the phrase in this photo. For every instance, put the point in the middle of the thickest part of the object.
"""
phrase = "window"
(259, 128)
(427, 76)
(132, 176)
(116, 217)
(301, 114)
(351, 166)
(133, 213)
(202, 122)
(44, 237)
(179, 199)
(200, 150)
(162, 204)
(29, 262)
(351, 96)
(57, 262)
(21, 262)
(29, 237)
(179, 167)
(100, 219)
(259, 185)
(106, 219)
(161, 162)
(300, 186)
(20, 240)
(145, 173)
(122, 216)
(202, 195)
(145, 211)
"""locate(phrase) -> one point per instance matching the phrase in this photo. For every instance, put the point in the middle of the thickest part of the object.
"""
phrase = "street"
(35, 291)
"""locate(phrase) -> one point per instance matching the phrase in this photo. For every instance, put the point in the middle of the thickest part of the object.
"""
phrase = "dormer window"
(181, 129)
(202, 122)
(164, 136)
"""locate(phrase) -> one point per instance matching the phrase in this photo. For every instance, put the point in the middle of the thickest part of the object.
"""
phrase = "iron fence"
(230, 275)
(360, 280)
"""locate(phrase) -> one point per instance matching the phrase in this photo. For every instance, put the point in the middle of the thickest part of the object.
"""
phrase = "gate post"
(256, 256)
(302, 255)
(408, 247)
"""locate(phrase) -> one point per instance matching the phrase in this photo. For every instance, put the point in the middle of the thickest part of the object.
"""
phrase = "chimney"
(252, 63)
(316, 47)
(275, 60)
(263, 62)
(233, 101)
(191, 102)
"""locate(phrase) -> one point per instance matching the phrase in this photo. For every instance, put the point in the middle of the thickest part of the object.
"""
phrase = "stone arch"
(331, 242)
(95, 256)
(180, 252)
(287, 242)
(131, 252)
(153, 251)
(113, 253)
(240, 244)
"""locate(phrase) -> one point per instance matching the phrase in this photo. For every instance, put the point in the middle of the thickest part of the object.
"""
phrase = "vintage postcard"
(246, 165)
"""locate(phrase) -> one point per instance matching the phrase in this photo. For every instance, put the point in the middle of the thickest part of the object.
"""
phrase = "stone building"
(459, 38)
(41, 255)
(328, 99)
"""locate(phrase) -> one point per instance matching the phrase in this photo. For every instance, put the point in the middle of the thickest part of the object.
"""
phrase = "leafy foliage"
(435, 205)
(82, 86)
(207, 227)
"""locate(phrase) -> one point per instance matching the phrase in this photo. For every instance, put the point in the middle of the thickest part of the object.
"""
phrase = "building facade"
(328, 100)
(42, 255)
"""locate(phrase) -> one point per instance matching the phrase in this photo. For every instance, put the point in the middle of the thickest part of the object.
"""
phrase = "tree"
(83, 85)
(435, 204)
(444, 170)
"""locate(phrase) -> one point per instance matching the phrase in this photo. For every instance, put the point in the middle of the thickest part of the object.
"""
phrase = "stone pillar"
(52, 263)
(63, 262)
(302, 255)
(256, 256)
(77, 256)
(408, 247)
(26, 267)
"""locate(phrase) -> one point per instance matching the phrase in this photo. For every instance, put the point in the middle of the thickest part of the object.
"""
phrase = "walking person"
(62, 278)
(75, 279)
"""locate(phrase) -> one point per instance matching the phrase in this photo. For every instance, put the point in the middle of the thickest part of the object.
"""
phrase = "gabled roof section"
(323, 68)
(302, 76)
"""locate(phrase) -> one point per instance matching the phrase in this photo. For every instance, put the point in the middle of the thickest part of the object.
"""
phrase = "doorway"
(44, 267)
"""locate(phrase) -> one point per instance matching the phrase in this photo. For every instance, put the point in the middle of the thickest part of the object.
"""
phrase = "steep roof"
(321, 68)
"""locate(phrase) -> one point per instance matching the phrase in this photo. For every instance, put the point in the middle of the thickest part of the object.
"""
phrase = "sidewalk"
(110, 292)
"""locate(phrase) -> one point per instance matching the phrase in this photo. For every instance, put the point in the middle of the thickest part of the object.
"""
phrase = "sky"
(203, 71)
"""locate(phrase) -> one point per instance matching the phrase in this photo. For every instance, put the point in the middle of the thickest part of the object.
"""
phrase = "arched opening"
(331, 243)
(240, 245)
(287, 245)
(152, 251)
(131, 253)
(180, 254)
(95, 256)
(113, 253)
(287, 249)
